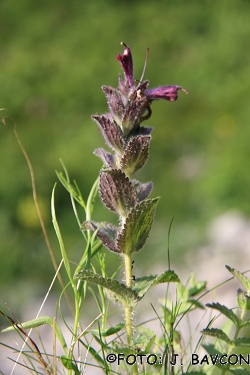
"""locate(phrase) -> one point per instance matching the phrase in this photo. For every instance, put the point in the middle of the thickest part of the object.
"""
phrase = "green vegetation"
(50, 79)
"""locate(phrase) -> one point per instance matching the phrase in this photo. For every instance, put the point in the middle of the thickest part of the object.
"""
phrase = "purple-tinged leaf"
(135, 154)
(124, 89)
(115, 103)
(142, 130)
(142, 190)
(133, 114)
(110, 131)
(107, 233)
(116, 191)
(107, 158)
(136, 229)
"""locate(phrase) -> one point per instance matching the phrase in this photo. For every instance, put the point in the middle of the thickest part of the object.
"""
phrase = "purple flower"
(164, 92)
(126, 62)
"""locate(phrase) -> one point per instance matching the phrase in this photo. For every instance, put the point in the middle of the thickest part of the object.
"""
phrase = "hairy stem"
(128, 309)
(128, 269)
(129, 324)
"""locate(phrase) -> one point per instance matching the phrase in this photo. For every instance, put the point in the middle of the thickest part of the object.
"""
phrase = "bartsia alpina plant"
(129, 141)
(129, 106)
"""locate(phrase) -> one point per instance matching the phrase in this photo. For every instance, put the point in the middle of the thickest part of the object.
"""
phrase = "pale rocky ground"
(228, 243)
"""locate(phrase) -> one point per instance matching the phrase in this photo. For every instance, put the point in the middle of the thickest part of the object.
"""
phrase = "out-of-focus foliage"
(55, 55)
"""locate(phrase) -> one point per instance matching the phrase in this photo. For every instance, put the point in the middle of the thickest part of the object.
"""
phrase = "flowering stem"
(129, 325)
(128, 269)
(128, 309)
(129, 331)
(129, 106)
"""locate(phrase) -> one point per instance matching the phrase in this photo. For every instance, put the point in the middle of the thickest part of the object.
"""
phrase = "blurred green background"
(54, 57)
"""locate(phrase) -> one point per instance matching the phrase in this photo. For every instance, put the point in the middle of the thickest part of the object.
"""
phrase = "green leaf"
(116, 291)
(239, 371)
(149, 344)
(94, 354)
(112, 330)
(196, 287)
(34, 323)
(211, 349)
(136, 228)
(246, 323)
(194, 373)
(69, 187)
(225, 311)
(119, 347)
(149, 334)
(143, 342)
(242, 278)
(134, 231)
(213, 352)
(108, 332)
(143, 284)
(189, 305)
(243, 342)
(140, 346)
(68, 363)
(166, 277)
(218, 333)
(73, 190)
(37, 322)
(243, 300)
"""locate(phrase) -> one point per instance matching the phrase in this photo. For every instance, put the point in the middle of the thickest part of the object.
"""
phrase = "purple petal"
(126, 62)
(164, 92)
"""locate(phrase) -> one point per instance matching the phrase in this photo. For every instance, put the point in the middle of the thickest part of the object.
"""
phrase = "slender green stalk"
(129, 106)
(128, 311)
(76, 326)
(129, 324)
(128, 269)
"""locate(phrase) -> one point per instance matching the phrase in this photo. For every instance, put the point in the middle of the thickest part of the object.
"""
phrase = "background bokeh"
(54, 57)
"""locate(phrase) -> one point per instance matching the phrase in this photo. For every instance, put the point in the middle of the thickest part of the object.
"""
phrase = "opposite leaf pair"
(129, 106)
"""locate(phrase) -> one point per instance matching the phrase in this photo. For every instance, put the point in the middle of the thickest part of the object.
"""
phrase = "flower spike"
(129, 141)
